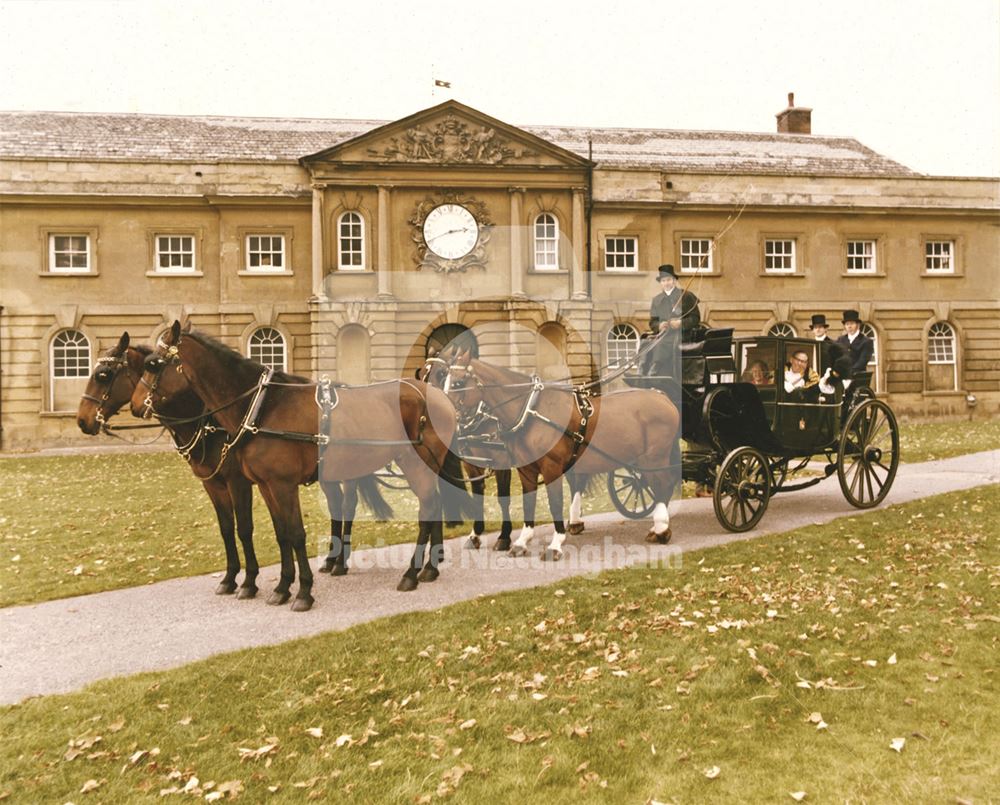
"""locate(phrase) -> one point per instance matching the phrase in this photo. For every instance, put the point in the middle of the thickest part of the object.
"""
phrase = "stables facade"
(351, 248)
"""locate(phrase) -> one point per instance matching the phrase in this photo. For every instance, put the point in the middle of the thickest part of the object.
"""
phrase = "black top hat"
(851, 315)
(666, 270)
(819, 320)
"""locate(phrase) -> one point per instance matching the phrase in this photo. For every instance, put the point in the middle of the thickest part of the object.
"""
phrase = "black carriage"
(748, 436)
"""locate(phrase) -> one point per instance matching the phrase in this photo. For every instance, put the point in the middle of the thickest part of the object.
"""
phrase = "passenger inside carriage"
(758, 374)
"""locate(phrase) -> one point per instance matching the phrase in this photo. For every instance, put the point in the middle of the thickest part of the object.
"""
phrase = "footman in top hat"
(860, 347)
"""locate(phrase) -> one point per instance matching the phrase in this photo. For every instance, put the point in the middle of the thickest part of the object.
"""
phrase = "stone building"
(351, 247)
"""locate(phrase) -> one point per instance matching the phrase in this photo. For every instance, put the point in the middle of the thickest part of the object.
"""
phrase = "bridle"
(154, 365)
(107, 372)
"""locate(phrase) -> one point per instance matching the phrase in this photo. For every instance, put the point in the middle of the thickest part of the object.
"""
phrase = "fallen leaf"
(343, 740)
(90, 785)
(897, 744)
(467, 725)
(713, 772)
(315, 732)
(892, 660)
(798, 796)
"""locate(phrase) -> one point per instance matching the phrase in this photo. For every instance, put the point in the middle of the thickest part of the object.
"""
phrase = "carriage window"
(621, 254)
(174, 254)
(351, 242)
(758, 365)
(623, 343)
(696, 255)
(267, 346)
(69, 369)
(265, 252)
(546, 242)
(779, 256)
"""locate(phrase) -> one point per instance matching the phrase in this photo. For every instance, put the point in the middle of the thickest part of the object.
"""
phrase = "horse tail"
(371, 493)
(586, 485)
(456, 501)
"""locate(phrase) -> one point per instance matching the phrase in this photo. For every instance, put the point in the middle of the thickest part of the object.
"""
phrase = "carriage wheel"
(779, 473)
(742, 489)
(869, 454)
(630, 494)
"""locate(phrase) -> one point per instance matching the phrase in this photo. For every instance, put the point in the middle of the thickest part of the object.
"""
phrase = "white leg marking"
(575, 509)
(661, 518)
(556, 545)
(520, 545)
(473, 541)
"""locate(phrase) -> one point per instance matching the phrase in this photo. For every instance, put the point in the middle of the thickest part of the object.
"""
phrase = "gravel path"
(63, 645)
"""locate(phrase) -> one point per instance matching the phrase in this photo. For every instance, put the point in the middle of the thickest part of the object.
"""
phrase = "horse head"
(162, 376)
(110, 386)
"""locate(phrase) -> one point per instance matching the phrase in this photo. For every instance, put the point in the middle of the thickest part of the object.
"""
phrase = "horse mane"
(234, 361)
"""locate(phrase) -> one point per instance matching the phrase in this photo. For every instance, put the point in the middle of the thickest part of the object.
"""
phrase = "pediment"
(449, 134)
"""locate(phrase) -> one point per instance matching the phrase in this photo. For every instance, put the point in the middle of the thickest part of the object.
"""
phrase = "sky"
(915, 80)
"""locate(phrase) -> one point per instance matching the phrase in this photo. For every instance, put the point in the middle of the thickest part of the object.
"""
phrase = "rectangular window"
(69, 254)
(861, 257)
(265, 252)
(779, 256)
(621, 254)
(696, 255)
(939, 256)
(546, 243)
(351, 242)
(174, 253)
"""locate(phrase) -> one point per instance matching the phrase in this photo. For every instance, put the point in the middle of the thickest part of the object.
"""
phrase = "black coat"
(677, 304)
(861, 351)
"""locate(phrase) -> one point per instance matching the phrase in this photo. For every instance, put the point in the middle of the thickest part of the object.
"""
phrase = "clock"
(451, 231)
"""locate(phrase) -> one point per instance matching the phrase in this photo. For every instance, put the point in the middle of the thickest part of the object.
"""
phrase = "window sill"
(250, 273)
(782, 274)
(174, 274)
(864, 275)
(56, 414)
(942, 275)
(73, 274)
(611, 272)
(346, 272)
(548, 272)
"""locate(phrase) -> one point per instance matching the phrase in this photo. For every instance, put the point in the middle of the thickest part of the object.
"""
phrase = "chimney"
(795, 119)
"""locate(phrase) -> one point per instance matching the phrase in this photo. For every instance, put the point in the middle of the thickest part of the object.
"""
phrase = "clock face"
(451, 231)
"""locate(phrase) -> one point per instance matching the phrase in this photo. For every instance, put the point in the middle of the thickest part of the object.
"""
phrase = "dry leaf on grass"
(897, 744)
(798, 796)
(712, 772)
(315, 732)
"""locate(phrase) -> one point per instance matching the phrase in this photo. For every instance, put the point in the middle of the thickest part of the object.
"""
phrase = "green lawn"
(72, 525)
(754, 671)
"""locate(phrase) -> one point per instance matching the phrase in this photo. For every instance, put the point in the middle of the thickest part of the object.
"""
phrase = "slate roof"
(162, 138)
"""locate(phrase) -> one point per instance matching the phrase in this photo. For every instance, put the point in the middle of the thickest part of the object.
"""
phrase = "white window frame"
(624, 246)
(276, 337)
(771, 253)
(546, 242)
(54, 253)
(866, 257)
(158, 252)
(942, 349)
(782, 329)
(938, 253)
(359, 237)
(76, 364)
(622, 344)
(690, 257)
(279, 267)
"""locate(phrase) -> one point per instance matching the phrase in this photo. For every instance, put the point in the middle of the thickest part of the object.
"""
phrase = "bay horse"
(115, 378)
(283, 432)
(478, 437)
(555, 429)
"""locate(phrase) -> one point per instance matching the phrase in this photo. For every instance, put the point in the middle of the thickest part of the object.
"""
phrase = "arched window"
(623, 343)
(353, 355)
(351, 242)
(446, 334)
(267, 346)
(69, 369)
(870, 332)
(546, 242)
(782, 329)
(942, 366)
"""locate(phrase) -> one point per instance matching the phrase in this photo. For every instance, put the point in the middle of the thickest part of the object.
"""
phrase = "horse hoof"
(551, 555)
(428, 574)
(339, 570)
(246, 593)
(473, 543)
(326, 567)
(226, 588)
(518, 550)
(277, 598)
(659, 539)
(407, 584)
(575, 528)
(502, 544)
(302, 603)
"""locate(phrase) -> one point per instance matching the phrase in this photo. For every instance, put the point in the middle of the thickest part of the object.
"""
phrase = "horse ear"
(175, 332)
(123, 343)
(187, 326)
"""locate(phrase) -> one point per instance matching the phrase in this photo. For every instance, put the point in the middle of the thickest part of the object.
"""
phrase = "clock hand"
(450, 232)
